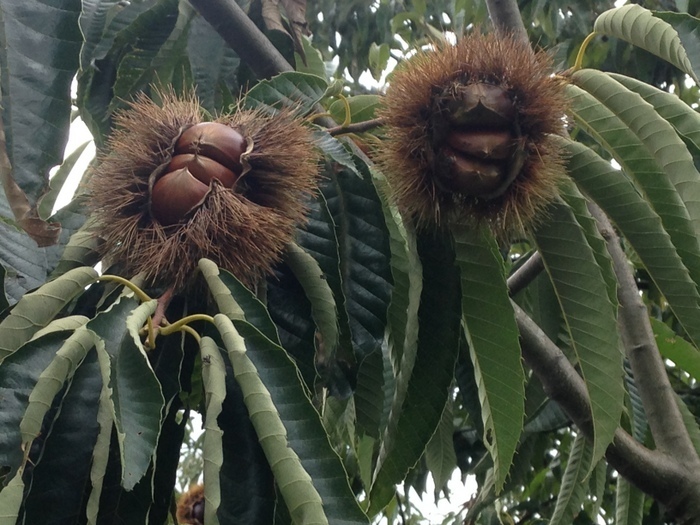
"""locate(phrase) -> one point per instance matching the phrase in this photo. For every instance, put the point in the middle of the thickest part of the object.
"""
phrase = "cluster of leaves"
(375, 355)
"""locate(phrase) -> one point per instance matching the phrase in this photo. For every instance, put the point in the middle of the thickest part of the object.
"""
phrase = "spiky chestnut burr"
(172, 189)
(190, 506)
(469, 134)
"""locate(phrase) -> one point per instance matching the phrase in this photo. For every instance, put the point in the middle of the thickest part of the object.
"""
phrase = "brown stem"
(656, 473)
(506, 19)
(358, 127)
(239, 31)
(163, 302)
(658, 397)
(525, 274)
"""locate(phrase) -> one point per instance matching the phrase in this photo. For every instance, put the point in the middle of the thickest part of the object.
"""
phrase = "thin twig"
(358, 127)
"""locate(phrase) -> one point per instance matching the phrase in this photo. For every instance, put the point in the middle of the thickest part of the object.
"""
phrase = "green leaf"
(296, 91)
(67, 448)
(440, 457)
(37, 309)
(492, 334)
(573, 489)
(362, 108)
(82, 250)
(687, 27)
(312, 61)
(19, 372)
(334, 149)
(48, 200)
(638, 26)
(51, 381)
(642, 227)
(413, 422)
(655, 133)
(136, 394)
(11, 500)
(671, 346)
(304, 432)
(25, 263)
(303, 501)
(323, 307)
(100, 455)
(39, 58)
(629, 503)
(363, 241)
(214, 374)
(589, 315)
(378, 59)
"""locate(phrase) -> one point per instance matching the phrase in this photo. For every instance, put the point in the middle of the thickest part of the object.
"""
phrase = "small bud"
(217, 141)
(175, 194)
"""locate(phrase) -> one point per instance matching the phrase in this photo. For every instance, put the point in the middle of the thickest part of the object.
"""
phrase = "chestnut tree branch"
(506, 19)
(653, 471)
(239, 31)
(658, 397)
(525, 274)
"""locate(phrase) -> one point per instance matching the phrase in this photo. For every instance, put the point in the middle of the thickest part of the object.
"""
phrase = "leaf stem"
(582, 50)
(142, 296)
(182, 323)
(358, 127)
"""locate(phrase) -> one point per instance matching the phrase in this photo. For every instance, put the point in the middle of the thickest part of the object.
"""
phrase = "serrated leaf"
(629, 503)
(25, 263)
(67, 444)
(687, 27)
(573, 489)
(39, 58)
(136, 394)
(323, 307)
(413, 423)
(655, 133)
(589, 316)
(638, 26)
(11, 500)
(492, 334)
(82, 250)
(214, 375)
(312, 61)
(440, 457)
(297, 91)
(334, 149)
(304, 431)
(100, 455)
(362, 107)
(19, 373)
(671, 346)
(37, 309)
(48, 200)
(364, 248)
(303, 501)
(642, 227)
(52, 380)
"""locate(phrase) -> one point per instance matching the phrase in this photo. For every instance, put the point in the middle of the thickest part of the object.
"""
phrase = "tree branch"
(506, 19)
(652, 471)
(658, 397)
(525, 274)
(239, 31)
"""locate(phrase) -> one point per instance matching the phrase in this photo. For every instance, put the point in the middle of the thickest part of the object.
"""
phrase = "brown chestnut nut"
(470, 176)
(483, 105)
(483, 144)
(175, 194)
(217, 141)
(204, 169)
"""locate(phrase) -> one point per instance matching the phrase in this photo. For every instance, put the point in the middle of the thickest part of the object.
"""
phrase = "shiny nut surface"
(203, 168)
(175, 194)
(217, 141)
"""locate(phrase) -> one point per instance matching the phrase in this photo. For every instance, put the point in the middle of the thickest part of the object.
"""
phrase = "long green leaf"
(638, 26)
(671, 346)
(67, 445)
(100, 455)
(305, 431)
(492, 334)
(48, 200)
(38, 58)
(590, 318)
(413, 423)
(629, 503)
(51, 381)
(642, 227)
(657, 135)
(37, 309)
(214, 374)
(297, 91)
(440, 457)
(688, 29)
(136, 394)
(302, 499)
(573, 488)
(323, 306)
(11, 500)
(19, 372)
